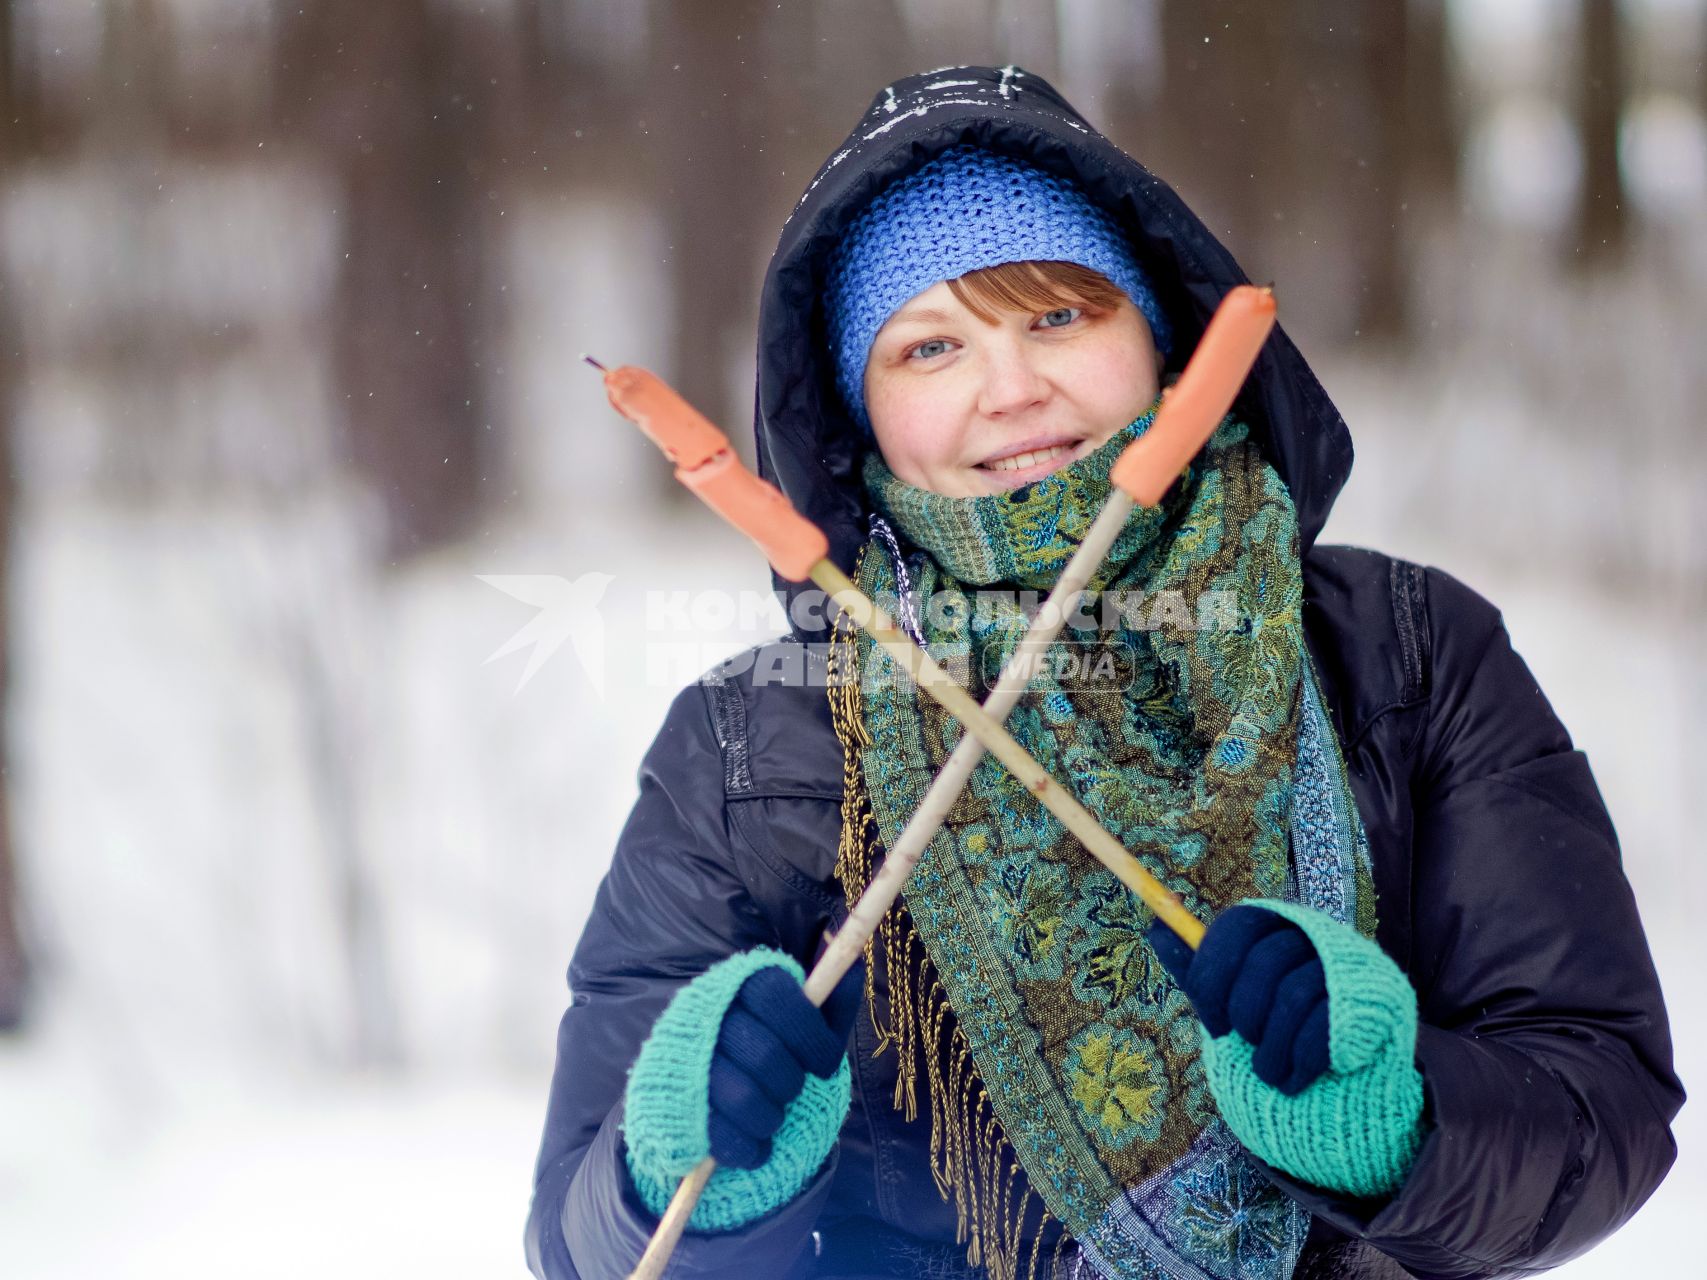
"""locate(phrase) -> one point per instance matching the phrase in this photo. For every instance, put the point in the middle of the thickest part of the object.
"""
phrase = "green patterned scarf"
(1180, 708)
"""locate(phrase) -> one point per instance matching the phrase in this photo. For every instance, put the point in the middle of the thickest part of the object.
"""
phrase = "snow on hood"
(807, 444)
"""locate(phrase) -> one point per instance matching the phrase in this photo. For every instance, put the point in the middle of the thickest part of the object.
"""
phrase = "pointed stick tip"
(589, 359)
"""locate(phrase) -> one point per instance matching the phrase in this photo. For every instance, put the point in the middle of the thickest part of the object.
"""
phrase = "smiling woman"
(999, 377)
(990, 324)
(1411, 885)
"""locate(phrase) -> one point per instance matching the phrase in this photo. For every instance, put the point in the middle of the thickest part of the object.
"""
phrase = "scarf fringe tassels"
(972, 1162)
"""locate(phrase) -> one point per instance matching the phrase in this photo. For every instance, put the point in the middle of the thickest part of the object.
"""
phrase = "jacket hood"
(807, 443)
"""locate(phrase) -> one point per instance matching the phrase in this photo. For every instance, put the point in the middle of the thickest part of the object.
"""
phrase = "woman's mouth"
(1020, 461)
(1032, 464)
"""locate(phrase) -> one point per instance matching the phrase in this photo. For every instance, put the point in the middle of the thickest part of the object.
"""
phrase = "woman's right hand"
(770, 1038)
(741, 1067)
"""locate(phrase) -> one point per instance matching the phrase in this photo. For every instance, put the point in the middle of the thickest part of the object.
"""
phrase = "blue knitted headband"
(966, 209)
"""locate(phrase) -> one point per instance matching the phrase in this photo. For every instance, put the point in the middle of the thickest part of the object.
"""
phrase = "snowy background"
(299, 870)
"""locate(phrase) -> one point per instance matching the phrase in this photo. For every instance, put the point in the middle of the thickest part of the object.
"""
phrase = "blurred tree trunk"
(16, 141)
(1293, 141)
(1213, 131)
(1601, 227)
(398, 94)
(946, 33)
(739, 121)
(1431, 104)
(824, 72)
(1029, 35)
(717, 144)
(1366, 109)
(406, 99)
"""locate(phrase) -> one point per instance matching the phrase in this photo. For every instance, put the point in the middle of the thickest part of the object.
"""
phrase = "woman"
(1437, 1046)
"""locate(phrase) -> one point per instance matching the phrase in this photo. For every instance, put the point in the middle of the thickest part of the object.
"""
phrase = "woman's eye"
(1061, 317)
(925, 350)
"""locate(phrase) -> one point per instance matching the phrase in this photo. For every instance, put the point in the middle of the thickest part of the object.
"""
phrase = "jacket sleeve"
(1544, 1046)
(672, 904)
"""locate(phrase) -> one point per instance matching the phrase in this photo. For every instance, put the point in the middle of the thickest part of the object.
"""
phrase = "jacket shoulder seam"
(1407, 599)
(1409, 588)
(729, 721)
(1471, 671)
(726, 704)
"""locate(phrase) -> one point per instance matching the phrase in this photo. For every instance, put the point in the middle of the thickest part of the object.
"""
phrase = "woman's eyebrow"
(927, 314)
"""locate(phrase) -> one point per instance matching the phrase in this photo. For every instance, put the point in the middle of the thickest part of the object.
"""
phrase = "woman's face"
(965, 407)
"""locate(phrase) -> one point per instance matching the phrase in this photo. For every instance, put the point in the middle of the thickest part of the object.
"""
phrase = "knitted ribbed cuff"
(1357, 1127)
(667, 1108)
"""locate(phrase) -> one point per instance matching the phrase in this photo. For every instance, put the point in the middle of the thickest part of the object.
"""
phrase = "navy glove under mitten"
(739, 1066)
(1256, 973)
(770, 1038)
(1320, 1079)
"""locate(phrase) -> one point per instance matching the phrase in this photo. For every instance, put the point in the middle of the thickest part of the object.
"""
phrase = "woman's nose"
(1012, 382)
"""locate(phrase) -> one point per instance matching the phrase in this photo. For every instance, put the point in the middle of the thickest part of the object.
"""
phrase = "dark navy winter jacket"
(1544, 1045)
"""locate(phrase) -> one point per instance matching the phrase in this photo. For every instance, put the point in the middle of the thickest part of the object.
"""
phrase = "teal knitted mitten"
(666, 1110)
(1356, 1129)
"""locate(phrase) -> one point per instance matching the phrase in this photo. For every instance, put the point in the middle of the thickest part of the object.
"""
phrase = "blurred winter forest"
(292, 296)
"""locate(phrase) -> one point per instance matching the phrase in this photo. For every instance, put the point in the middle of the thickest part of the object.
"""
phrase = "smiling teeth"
(1022, 460)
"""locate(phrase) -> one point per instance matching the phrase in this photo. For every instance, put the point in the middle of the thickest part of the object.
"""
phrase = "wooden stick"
(1000, 743)
(675, 1220)
(900, 859)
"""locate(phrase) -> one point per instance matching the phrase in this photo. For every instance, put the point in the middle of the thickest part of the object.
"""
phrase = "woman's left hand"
(1256, 973)
(1320, 1080)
